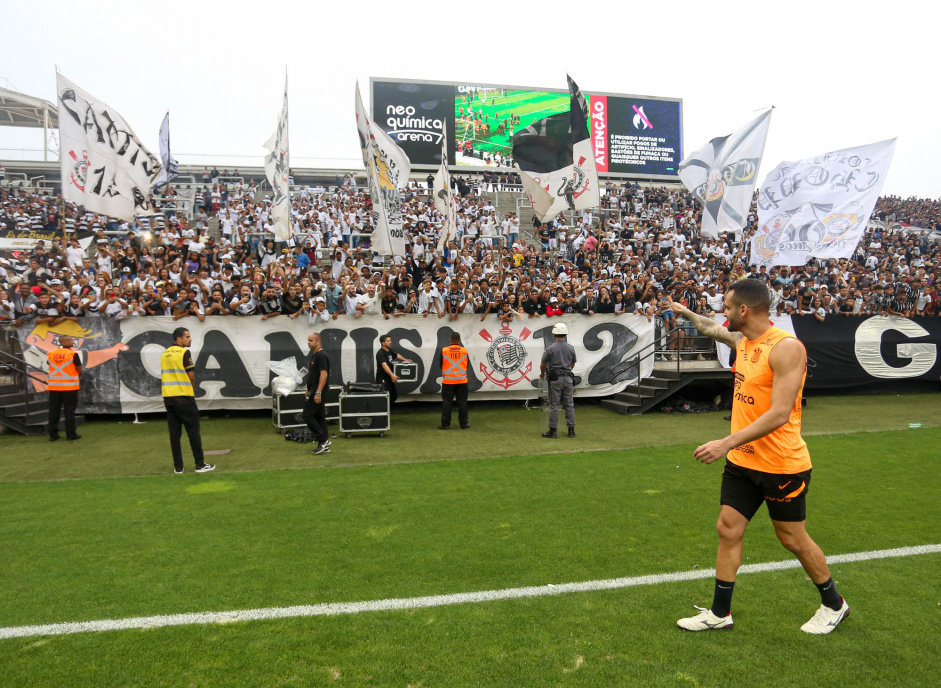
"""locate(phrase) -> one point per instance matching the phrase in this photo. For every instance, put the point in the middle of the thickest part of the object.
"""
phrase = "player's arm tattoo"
(711, 328)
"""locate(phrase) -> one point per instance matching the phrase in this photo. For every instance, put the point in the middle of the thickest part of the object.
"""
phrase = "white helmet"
(560, 329)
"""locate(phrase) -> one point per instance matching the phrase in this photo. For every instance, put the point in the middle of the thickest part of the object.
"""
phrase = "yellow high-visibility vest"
(174, 381)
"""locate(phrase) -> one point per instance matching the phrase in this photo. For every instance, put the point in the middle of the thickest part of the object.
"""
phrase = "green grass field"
(100, 529)
(529, 105)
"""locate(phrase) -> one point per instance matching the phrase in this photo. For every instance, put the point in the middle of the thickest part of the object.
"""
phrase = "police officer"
(65, 369)
(177, 380)
(454, 382)
(558, 360)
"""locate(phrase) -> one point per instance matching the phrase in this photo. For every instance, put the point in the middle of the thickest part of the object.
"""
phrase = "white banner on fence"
(122, 358)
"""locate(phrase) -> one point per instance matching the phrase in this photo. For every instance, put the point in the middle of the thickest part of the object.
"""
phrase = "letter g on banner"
(869, 348)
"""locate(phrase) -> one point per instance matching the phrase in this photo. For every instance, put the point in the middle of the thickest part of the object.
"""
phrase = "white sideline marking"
(337, 608)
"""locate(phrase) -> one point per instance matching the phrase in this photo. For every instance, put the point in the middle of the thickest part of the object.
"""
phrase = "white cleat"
(826, 620)
(705, 620)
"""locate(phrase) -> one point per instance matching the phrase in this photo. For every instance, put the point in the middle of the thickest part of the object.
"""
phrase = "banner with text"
(853, 351)
(122, 358)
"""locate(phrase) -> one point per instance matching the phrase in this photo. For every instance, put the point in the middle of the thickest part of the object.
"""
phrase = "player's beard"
(735, 322)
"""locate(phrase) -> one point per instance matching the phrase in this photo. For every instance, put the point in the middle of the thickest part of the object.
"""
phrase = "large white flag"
(169, 167)
(442, 190)
(722, 176)
(105, 167)
(555, 160)
(278, 171)
(387, 167)
(819, 207)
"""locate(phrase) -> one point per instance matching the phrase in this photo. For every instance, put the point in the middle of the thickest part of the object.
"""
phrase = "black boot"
(550, 434)
(571, 431)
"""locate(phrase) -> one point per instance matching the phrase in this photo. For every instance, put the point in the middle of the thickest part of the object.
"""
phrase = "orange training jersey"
(784, 450)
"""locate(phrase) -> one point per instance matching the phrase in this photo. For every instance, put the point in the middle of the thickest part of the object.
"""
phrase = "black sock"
(722, 597)
(828, 594)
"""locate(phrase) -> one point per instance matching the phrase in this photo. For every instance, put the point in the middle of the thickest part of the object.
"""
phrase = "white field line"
(337, 608)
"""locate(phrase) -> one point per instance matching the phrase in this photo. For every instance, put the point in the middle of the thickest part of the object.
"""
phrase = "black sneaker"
(321, 449)
(53, 438)
(177, 471)
(444, 427)
(73, 437)
(205, 468)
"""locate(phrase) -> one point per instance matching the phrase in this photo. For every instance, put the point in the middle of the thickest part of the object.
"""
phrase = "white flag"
(387, 168)
(278, 171)
(442, 191)
(722, 176)
(169, 167)
(819, 207)
(105, 167)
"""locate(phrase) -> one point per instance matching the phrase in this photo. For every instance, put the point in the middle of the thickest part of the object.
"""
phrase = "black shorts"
(744, 489)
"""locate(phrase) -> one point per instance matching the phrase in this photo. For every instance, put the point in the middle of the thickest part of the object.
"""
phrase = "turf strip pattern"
(337, 608)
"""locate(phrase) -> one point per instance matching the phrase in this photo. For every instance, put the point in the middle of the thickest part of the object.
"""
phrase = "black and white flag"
(169, 168)
(819, 207)
(387, 168)
(555, 160)
(278, 171)
(441, 187)
(722, 176)
(104, 166)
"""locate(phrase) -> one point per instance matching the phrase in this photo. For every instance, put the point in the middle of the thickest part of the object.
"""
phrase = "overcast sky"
(839, 73)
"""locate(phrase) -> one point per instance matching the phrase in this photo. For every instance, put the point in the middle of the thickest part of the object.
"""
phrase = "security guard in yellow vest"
(177, 381)
(454, 382)
(63, 383)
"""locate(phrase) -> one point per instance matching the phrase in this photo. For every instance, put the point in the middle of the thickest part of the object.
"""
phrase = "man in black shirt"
(385, 357)
(315, 415)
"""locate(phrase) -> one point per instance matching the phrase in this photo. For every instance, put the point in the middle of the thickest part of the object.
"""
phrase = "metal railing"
(703, 345)
(22, 377)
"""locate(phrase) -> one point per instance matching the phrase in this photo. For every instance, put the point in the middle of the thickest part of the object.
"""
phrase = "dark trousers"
(184, 414)
(390, 388)
(315, 415)
(450, 393)
(58, 401)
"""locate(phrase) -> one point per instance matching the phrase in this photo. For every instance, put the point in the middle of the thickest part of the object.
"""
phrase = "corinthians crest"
(506, 356)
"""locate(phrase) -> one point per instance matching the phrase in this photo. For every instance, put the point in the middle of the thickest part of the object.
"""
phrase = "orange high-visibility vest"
(63, 375)
(454, 365)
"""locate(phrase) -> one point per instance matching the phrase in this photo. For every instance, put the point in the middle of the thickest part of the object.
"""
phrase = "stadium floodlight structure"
(21, 110)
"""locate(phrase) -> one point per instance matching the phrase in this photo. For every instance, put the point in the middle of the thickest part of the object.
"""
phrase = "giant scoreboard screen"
(632, 136)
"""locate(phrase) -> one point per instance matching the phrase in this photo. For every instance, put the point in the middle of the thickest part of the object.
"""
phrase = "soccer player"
(766, 458)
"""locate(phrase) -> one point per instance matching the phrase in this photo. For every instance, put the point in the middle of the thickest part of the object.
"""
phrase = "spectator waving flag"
(819, 207)
(387, 168)
(105, 167)
(442, 191)
(278, 172)
(555, 160)
(169, 168)
(722, 176)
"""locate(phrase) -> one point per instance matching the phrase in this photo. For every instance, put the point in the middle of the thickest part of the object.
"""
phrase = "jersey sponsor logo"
(745, 399)
(745, 449)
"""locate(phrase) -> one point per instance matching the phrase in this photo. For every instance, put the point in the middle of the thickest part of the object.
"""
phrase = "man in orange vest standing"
(65, 369)
(766, 459)
(454, 382)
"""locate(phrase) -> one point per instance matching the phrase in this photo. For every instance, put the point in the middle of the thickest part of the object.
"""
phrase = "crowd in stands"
(642, 245)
